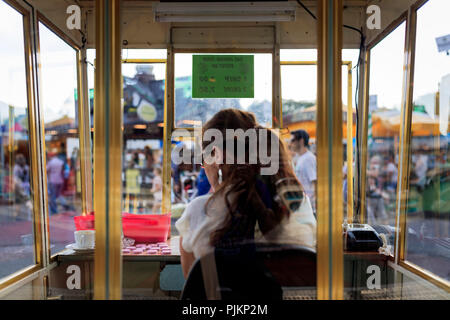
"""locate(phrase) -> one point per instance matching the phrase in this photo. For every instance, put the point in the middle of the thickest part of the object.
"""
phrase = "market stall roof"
(64, 121)
(305, 119)
(387, 124)
(314, 108)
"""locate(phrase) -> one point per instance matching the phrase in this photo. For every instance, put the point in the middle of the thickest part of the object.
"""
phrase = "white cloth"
(195, 226)
(306, 172)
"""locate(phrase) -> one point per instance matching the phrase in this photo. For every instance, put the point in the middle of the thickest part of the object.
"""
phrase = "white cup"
(85, 239)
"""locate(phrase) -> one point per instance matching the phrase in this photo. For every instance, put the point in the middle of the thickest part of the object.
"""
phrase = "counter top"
(174, 243)
(71, 255)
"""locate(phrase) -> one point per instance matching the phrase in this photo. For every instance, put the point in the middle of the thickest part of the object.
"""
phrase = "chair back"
(252, 272)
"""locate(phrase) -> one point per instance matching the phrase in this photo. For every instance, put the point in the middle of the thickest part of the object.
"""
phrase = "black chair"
(254, 272)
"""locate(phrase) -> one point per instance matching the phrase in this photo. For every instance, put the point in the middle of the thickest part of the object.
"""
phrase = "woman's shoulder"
(198, 204)
(193, 215)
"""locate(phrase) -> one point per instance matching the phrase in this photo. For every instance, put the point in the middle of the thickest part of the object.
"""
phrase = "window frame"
(169, 114)
(398, 257)
(349, 138)
(410, 52)
(83, 132)
(166, 174)
(38, 220)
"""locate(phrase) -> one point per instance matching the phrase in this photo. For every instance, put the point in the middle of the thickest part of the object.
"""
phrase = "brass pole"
(329, 151)
(349, 146)
(84, 131)
(108, 151)
(364, 117)
(168, 128)
(405, 136)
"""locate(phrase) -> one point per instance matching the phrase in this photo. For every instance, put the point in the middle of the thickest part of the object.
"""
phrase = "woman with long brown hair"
(246, 206)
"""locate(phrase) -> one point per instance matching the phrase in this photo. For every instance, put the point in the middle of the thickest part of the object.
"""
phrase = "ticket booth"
(99, 98)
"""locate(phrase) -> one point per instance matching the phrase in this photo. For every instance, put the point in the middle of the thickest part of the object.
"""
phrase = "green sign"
(222, 76)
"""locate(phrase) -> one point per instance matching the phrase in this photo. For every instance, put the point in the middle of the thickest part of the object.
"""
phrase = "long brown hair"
(247, 194)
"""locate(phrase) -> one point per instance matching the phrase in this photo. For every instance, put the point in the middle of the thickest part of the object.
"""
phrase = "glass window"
(16, 205)
(299, 94)
(59, 105)
(386, 58)
(189, 181)
(143, 121)
(428, 210)
(191, 112)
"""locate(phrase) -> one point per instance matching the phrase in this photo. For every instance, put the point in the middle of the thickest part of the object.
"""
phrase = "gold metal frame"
(425, 274)
(34, 157)
(277, 113)
(83, 132)
(363, 142)
(391, 27)
(349, 128)
(169, 119)
(144, 60)
(108, 151)
(399, 257)
(84, 122)
(330, 253)
(349, 120)
(365, 113)
(42, 158)
(50, 25)
(405, 135)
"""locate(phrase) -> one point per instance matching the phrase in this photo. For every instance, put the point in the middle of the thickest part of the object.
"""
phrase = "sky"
(299, 82)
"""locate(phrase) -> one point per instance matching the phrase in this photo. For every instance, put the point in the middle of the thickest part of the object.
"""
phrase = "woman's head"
(237, 145)
(219, 156)
(240, 155)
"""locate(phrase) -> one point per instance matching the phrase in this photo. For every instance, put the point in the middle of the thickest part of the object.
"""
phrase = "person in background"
(21, 173)
(391, 172)
(149, 162)
(73, 159)
(136, 158)
(176, 182)
(376, 211)
(157, 189)
(306, 166)
(421, 166)
(55, 170)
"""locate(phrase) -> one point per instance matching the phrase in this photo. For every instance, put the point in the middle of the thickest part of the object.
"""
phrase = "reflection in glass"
(59, 102)
(143, 94)
(189, 181)
(299, 113)
(428, 210)
(16, 205)
(384, 131)
(299, 92)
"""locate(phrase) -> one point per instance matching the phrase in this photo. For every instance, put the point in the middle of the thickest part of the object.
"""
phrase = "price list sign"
(222, 76)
